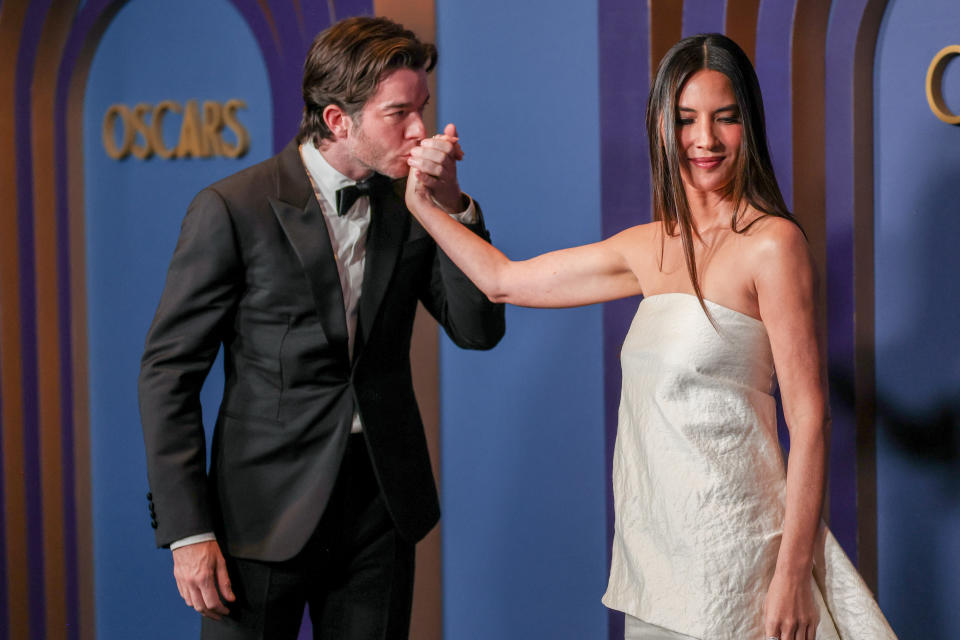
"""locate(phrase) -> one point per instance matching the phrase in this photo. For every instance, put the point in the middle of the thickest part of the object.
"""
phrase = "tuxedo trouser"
(355, 573)
(637, 629)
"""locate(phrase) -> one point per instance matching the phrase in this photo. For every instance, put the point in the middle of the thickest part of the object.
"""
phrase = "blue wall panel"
(917, 316)
(523, 436)
(175, 50)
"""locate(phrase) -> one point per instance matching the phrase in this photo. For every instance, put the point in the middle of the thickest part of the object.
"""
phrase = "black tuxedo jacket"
(254, 270)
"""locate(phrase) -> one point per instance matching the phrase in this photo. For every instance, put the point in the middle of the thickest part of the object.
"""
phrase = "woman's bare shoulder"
(637, 241)
(778, 253)
(640, 231)
(773, 233)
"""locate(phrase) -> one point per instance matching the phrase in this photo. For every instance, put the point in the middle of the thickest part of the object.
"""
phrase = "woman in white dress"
(714, 537)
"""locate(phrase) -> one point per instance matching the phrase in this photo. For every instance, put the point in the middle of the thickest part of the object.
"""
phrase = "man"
(320, 483)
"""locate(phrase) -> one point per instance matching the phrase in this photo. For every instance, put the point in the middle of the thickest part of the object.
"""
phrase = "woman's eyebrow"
(729, 107)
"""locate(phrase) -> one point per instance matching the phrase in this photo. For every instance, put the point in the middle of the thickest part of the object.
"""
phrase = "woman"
(713, 538)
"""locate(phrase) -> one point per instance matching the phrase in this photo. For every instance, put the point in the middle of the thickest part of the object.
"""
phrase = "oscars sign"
(935, 84)
(201, 130)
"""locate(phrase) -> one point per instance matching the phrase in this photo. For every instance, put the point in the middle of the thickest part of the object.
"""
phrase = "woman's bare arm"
(570, 277)
(787, 294)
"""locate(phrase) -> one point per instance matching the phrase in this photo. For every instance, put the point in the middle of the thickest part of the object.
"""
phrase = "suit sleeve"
(470, 319)
(198, 302)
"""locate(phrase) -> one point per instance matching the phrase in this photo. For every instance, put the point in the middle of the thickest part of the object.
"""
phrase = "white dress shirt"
(348, 237)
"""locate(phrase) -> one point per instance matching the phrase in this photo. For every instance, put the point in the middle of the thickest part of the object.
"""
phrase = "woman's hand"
(417, 196)
(435, 160)
(789, 611)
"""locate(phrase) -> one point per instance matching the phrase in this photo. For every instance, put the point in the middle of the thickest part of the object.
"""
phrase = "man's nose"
(416, 129)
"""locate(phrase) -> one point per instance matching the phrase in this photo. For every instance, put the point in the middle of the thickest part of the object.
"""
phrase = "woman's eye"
(684, 121)
(730, 120)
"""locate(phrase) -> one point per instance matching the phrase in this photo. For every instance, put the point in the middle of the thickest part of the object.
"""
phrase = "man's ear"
(337, 121)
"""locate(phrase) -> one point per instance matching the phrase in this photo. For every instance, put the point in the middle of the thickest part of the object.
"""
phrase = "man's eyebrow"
(396, 105)
(401, 105)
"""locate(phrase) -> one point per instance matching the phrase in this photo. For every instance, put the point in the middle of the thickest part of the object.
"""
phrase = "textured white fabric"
(699, 482)
(637, 629)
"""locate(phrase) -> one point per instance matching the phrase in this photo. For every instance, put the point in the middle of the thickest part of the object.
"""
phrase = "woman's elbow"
(813, 434)
(496, 285)
(497, 296)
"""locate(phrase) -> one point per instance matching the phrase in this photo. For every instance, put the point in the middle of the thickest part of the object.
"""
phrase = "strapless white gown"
(699, 483)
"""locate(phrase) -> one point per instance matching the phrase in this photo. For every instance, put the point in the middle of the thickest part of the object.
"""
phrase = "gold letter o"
(935, 84)
(114, 113)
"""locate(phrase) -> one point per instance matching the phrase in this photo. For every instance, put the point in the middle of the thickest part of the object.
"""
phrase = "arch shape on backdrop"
(917, 350)
(848, 195)
(815, 64)
(149, 59)
(849, 214)
(46, 541)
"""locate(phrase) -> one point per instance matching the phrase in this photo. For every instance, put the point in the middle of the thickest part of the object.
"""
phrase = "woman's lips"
(708, 162)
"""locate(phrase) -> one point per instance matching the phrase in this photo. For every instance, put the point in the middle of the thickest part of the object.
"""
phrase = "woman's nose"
(705, 135)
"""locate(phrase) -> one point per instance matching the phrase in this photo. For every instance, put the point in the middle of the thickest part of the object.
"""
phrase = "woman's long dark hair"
(754, 182)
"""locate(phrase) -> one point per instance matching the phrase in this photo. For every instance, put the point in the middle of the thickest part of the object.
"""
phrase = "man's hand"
(436, 160)
(202, 579)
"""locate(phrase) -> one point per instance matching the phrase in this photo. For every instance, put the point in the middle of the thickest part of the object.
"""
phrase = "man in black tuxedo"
(307, 268)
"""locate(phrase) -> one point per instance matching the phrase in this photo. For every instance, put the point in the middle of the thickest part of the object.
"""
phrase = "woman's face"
(709, 129)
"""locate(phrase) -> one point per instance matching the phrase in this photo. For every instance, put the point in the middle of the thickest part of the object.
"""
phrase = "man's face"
(389, 125)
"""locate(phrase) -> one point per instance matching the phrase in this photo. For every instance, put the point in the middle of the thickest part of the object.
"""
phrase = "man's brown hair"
(346, 63)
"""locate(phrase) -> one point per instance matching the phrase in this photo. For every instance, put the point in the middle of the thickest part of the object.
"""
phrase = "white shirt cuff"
(200, 537)
(467, 216)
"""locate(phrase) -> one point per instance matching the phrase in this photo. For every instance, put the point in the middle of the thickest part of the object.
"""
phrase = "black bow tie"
(374, 185)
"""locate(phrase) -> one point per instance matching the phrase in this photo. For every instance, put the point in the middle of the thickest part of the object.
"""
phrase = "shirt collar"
(326, 180)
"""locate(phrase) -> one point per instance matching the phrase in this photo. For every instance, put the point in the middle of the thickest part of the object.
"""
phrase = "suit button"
(149, 496)
(153, 523)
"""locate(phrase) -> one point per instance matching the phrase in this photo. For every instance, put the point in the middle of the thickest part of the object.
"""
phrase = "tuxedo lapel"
(388, 228)
(299, 213)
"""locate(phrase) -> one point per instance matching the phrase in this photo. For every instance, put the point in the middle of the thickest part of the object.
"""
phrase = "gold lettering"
(141, 151)
(189, 144)
(243, 137)
(156, 128)
(212, 123)
(115, 112)
(935, 84)
(201, 133)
